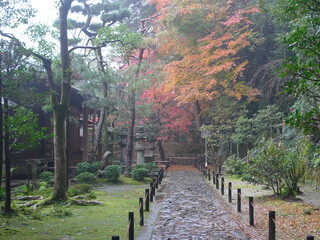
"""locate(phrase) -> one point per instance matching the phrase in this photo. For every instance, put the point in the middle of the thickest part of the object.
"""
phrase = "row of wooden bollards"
(149, 197)
(216, 181)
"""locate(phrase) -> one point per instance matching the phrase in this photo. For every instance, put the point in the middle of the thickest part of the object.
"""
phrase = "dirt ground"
(310, 194)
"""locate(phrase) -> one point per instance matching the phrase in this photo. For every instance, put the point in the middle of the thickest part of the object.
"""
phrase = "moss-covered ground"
(68, 221)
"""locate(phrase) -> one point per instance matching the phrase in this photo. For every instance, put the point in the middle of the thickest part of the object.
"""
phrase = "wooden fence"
(144, 205)
(216, 178)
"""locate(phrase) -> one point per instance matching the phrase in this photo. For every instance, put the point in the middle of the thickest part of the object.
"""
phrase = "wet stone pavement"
(190, 211)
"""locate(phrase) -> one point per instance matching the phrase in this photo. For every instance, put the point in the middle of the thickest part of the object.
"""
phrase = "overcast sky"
(47, 11)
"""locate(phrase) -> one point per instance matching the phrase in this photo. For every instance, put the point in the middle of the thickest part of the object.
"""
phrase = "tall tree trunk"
(60, 170)
(132, 120)
(1, 126)
(67, 148)
(60, 106)
(161, 150)
(60, 109)
(197, 112)
(132, 100)
(94, 154)
(85, 137)
(7, 205)
(238, 151)
(98, 135)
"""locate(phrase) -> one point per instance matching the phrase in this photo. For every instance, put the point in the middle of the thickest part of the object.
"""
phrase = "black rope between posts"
(261, 209)
(278, 228)
(128, 229)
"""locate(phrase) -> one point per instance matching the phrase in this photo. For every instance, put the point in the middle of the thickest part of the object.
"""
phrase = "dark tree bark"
(60, 102)
(132, 120)
(132, 101)
(197, 112)
(1, 125)
(61, 108)
(161, 150)
(85, 137)
(7, 204)
(98, 135)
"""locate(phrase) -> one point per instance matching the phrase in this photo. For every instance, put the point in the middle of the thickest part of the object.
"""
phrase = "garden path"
(191, 211)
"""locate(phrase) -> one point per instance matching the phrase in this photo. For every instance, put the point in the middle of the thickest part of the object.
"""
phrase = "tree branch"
(94, 48)
(309, 7)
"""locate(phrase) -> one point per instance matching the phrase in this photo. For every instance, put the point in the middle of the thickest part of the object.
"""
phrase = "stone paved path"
(190, 211)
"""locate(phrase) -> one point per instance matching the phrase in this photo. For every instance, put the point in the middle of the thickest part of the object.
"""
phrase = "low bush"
(149, 166)
(86, 177)
(43, 186)
(277, 166)
(46, 177)
(78, 189)
(235, 165)
(2, 193)
(60, 212)
(91, 195)
(91, 167)
(23, 189)
(112, 173)
(139, 173)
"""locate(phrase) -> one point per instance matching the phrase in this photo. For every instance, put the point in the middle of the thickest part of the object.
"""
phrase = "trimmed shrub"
(86, 177)
(112, 173)
(91, 167)
(139, 173)
(149, 166)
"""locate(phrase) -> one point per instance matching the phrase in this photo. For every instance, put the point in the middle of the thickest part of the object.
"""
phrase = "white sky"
(46, 14)
(47, 11)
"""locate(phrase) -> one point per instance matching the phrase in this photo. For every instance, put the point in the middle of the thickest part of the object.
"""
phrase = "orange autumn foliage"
(171, 118)
(210, 67)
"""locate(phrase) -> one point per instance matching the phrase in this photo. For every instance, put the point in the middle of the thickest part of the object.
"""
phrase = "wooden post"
(222, 186)
(154, 187)
(141, 211)
(239, 200)
(162, 174)
(156, 182)
(209, 175)
(217, 181)
(115, 238)
(151, 192)
(230, 192)
(272, 225)
(147, 193)
(131, 226)
(159, 177)
(213, 177)
(251, 211)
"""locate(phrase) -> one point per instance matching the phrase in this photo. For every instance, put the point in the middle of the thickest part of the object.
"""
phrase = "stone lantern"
(140, 147)
(123, 145)
(151, 147)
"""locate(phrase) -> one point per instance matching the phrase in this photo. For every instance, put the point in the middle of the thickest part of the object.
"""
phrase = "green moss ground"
(73, 221)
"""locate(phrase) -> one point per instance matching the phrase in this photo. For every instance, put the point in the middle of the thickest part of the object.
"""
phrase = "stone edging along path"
(190, 210)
